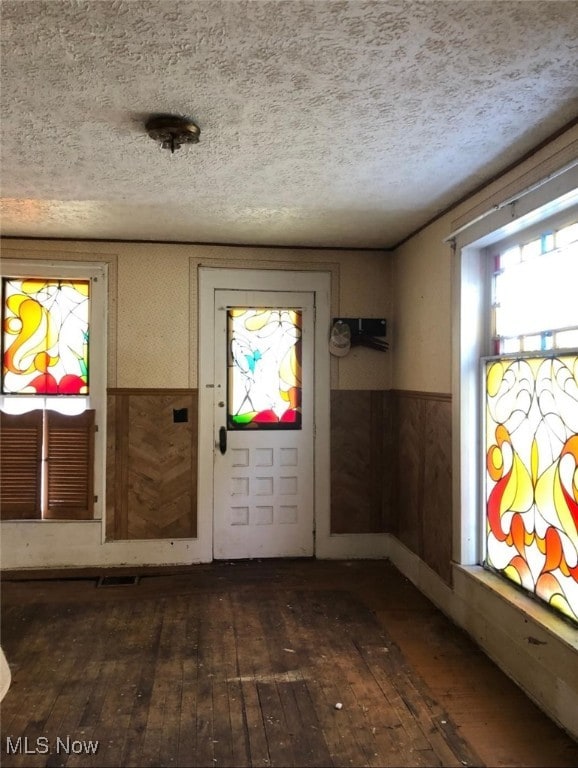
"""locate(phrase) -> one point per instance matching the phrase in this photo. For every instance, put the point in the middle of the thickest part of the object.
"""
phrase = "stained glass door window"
(45, 336)
(264, 368)
(531, 450)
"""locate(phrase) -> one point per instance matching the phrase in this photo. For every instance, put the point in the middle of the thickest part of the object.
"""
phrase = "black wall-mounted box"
(364, 325)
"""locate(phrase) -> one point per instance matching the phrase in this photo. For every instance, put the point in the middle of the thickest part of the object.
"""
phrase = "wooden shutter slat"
(20, 465)
(70, 466)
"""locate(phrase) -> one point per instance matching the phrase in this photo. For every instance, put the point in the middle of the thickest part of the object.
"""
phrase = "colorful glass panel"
(264, 367)
(531, 449)
(45, 336)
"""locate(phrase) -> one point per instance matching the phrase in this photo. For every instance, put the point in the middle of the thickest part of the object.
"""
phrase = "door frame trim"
(319, 283)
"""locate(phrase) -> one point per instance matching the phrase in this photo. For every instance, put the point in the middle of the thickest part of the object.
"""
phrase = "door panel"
(263, 482)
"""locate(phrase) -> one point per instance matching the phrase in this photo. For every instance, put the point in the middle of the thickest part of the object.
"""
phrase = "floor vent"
(117, 581)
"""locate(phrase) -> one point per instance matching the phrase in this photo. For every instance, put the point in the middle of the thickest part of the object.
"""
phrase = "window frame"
(97, 273)
(488, 255)
(553, 200)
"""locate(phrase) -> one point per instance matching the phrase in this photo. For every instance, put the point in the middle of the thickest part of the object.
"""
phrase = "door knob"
(223, 440)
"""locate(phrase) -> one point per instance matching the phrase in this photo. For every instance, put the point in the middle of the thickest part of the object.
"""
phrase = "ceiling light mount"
(172, 131)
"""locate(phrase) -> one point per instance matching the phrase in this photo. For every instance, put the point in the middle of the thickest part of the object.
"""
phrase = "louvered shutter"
(20, 465)
(70, 466)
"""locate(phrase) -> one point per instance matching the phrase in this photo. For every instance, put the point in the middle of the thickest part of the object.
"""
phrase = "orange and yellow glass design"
(264, 368)
(45, 336)
(531, 453)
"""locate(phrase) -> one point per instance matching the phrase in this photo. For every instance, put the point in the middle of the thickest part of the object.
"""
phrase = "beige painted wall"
(422, 332)
(153, 339)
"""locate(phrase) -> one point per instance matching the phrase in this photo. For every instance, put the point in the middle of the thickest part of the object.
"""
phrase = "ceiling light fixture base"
(172, 131)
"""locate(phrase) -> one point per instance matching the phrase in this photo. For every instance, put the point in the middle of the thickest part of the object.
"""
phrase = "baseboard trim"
(419, 573)
(542, 661)
(352, 546)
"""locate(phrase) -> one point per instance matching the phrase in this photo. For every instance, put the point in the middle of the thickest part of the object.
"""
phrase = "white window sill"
(559, 628)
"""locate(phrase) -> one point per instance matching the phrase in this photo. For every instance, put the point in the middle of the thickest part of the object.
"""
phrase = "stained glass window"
(531, 487)
(45, 336)
(264, 368)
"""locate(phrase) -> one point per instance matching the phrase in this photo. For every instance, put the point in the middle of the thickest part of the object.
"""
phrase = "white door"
(263, 422)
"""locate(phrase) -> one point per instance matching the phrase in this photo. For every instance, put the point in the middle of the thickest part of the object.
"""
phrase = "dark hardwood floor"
(272, 663)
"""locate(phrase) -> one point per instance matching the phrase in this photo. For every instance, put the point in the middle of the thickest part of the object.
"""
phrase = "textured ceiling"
(324, 123)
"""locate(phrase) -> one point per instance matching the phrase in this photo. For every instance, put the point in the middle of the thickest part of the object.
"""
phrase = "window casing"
(52, 452)
(548, 201)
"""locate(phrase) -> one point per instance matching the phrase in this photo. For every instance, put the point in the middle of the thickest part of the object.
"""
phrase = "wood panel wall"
(361, 461)
(390, 467)
(422, 488)
(151, 464)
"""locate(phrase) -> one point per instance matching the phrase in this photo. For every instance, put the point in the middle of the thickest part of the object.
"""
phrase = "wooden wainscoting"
(361, 450)
(422, 488)
(151, 464)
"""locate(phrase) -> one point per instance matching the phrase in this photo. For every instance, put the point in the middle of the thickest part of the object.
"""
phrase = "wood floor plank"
(397, 699)
(343, 748)
(80, 686)
(252, 660)
(376, 717)
(341, 656)
(338, 735)
(397, 739)
(169, 669)
(188, 709)
(151, 747)
(166, 672)
(291, 661)
(429, 717)
(314, 747)
(296, 729)
(278, 738)
(150, 633)
(41, 690)
(171, 710)
(188, 715)
(205, 752)
(258, 746)
(221, 617)
(116, 713)
(229, 666)
(283, 745)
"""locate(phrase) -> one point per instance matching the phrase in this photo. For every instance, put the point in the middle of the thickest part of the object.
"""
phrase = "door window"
(264, 368)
